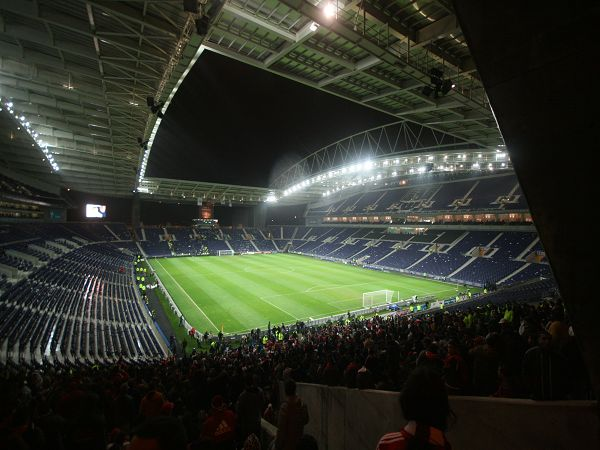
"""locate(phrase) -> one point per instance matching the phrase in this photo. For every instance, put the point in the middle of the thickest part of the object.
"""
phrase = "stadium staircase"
(170, 244)
(528, 250)
(418, 261)
(519, 270)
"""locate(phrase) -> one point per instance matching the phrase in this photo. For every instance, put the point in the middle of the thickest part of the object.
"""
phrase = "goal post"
(225, 252)
(377, 298)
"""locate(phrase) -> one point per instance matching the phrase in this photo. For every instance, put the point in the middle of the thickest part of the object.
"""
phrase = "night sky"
(233, 123)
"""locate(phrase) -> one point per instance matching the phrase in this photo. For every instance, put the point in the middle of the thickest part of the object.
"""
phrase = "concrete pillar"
(538, 61)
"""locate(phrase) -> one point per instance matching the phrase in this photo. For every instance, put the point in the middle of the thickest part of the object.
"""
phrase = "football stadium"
(296, 224)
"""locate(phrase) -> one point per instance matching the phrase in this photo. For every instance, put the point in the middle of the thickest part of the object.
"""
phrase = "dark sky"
(233, 123)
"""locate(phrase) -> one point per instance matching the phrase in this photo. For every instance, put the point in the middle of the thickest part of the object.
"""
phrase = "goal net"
(225, 252)
(376, 298)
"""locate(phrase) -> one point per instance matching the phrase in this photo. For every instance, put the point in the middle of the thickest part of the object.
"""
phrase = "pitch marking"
(188, 296)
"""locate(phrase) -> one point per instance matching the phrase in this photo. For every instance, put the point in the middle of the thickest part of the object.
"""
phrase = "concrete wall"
(349, 419)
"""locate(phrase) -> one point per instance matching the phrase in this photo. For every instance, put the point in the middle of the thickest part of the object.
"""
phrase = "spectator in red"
(456, 375)
(430, 356)
(293, 415)
(151, 404)
(219, 427)
(424, 404)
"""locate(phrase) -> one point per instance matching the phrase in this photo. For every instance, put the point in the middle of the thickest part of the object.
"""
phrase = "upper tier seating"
(492, 193)
(88, 232)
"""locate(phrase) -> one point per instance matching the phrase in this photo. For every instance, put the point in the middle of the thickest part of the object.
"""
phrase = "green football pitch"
(239, 293)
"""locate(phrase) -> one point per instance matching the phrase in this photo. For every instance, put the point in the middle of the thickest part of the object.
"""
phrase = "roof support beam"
(404, 86)
(133, 15)
(304, 34)
(443, 103)
(360, 66)
(30, 10)
(242, 13)
(437, 30)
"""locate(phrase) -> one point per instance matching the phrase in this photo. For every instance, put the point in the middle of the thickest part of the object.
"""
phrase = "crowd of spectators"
(215, 399)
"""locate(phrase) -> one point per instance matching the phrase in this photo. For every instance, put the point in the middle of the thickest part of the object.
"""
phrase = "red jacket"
(220, 426)
(399, 440)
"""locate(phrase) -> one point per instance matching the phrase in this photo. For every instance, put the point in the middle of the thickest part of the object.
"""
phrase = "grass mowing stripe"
(218, 298)
(244, 292)
(248, 281)
(243, 284)
(190, 298)
(298, 301)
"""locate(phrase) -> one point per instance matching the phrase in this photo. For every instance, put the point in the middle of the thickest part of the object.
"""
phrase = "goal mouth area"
(376, 298)
(225, 253)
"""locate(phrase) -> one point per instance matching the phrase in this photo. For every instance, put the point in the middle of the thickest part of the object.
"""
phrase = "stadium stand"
(493, 193)
(22, 202)
(71, 297)
(504, 333)
(474, 257)
(68, 298)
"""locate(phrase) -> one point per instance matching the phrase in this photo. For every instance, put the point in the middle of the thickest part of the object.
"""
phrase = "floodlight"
(329, 10)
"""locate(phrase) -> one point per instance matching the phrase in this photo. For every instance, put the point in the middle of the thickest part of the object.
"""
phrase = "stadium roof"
(186, 191)
(390, 155)
(79, 71)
